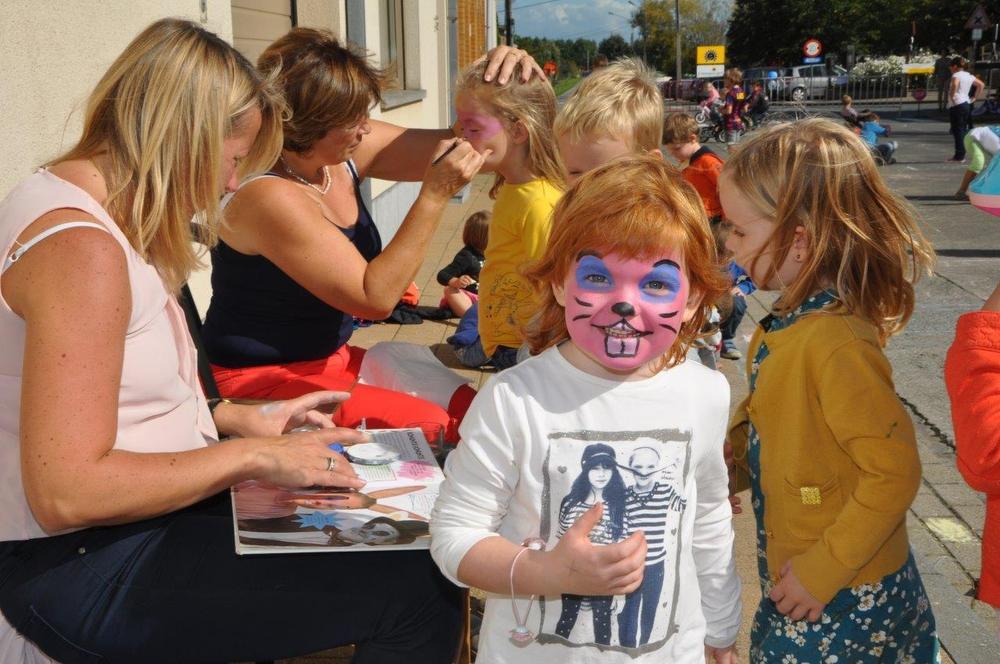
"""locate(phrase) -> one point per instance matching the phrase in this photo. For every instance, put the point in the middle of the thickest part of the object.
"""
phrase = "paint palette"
(372, 454)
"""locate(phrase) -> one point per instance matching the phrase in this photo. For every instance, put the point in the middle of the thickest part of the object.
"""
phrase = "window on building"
(399, 48)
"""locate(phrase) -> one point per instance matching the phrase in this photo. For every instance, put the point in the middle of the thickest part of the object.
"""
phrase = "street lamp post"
(642, 28)
(677, 41)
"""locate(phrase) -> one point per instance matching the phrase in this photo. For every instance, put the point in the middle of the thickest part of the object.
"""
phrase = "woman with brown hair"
(116, 536)
(300, 255)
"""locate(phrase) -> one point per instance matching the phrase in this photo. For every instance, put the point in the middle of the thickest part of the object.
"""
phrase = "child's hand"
(721, 655)
(734, 500)
(793, 600)
(580, 567)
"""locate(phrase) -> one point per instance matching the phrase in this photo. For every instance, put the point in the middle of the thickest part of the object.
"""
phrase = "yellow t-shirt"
(519, 231)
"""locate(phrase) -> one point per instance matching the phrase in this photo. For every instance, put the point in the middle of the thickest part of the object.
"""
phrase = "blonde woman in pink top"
(115, 528)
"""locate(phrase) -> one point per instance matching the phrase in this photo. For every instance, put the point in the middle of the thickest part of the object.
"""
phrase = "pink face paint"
(479, 126)
(625, 313)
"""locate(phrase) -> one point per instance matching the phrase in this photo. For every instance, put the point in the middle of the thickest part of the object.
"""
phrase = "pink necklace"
(326, 177)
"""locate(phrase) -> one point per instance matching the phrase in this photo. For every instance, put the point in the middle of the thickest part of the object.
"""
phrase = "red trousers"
(381, 408)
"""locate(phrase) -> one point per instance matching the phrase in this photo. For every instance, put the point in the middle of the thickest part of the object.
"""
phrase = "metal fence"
(889, 92)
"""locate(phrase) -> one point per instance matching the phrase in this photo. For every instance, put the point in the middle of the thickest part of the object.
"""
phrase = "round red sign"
(919, 94)
(812, 48)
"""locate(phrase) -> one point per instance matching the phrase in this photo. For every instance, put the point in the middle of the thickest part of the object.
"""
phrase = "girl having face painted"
(512, 125)
(621, 288)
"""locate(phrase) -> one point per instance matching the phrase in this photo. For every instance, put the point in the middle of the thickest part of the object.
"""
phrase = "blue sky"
(572, 19)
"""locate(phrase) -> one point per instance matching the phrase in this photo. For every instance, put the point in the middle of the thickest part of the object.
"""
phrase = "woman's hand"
(277, 417)
(301, 460)
(455, 163)
(579, 567)
(793, 600)
(504, 58)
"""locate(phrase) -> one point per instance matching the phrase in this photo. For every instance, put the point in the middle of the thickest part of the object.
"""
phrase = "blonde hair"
(533, 104)
(864, 240)
(159, 115)
(661, 212)
(620, 101)
(327, 85)
(679, 128)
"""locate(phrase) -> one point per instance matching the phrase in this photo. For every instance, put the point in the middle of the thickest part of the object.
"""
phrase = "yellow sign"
(711, 55)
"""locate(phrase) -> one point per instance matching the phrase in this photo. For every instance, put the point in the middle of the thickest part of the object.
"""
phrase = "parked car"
(771, 78)
(814, 81)
(799, 83)
(690, 89)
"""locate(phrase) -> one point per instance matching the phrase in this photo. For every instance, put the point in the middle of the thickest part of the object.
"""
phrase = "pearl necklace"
(326, 177)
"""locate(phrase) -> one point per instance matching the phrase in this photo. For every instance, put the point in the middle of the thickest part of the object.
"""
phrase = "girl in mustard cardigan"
(822, 441)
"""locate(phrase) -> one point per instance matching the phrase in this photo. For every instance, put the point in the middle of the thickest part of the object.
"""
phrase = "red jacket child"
(972, 374)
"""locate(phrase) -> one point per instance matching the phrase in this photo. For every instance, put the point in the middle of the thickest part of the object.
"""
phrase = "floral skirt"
(886, 621)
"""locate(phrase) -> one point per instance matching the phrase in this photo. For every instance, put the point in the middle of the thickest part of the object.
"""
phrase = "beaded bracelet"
(521, 635)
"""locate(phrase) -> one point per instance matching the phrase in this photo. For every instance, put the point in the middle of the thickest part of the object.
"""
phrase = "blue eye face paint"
(593, 275)
(662, 283)
(624, 313)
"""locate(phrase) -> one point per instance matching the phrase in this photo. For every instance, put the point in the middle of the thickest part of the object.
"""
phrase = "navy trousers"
(958, 117)
(171, 589)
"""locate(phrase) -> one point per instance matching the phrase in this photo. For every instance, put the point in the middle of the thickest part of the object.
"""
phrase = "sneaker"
(961, 196)
(731, 353)
(955, 160)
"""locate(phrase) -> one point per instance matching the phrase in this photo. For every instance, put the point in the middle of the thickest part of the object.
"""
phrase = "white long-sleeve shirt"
(523, 444)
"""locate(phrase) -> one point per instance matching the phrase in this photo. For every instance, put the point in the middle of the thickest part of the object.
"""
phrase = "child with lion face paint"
(621, 285)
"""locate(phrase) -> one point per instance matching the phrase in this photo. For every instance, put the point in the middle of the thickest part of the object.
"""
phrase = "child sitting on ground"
(614, 112)
(603, 452)
(757, 105)
(981, 144)
(870, 132)
(514, 120)
(460, 277)
(848, 112)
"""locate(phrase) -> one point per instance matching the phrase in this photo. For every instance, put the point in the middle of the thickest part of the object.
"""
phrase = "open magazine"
(392, 511)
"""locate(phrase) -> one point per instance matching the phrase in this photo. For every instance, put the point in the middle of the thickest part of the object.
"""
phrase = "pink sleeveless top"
(161, 405)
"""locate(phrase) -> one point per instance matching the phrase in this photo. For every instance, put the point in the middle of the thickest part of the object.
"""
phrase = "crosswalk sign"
(711, 55)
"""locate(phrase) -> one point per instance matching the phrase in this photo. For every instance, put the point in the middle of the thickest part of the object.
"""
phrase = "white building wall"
(54, 52)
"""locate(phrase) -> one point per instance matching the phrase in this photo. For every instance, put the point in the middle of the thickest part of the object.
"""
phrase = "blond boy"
(616, 111)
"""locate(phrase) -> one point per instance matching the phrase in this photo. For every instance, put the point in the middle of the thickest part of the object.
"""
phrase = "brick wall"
(471, 31)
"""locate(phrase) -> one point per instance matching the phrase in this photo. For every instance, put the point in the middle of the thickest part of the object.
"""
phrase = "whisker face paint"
(616, 309)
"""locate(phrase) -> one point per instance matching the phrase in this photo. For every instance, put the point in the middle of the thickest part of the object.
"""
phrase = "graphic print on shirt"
(507, 297)
(641, 479)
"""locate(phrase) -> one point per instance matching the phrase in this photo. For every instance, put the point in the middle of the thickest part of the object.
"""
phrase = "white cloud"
(570, 19)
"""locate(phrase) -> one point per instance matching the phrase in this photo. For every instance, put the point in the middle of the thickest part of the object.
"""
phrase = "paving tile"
(927, 504)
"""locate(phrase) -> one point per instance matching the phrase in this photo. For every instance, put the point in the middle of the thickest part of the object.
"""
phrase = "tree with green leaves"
(773, 31)
(614, 47)
(702, 23)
